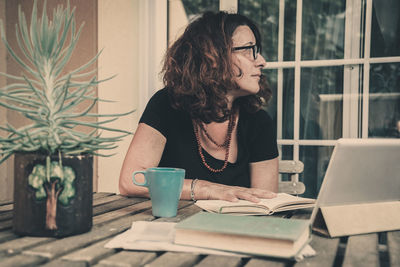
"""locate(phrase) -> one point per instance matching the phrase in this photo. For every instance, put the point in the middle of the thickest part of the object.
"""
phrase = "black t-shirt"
(255, 134)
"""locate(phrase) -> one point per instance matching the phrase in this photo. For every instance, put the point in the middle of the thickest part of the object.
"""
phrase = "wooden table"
(114, 214)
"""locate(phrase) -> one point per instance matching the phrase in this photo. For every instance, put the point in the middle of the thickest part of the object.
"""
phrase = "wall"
(118, 22)
(134, 37)
(6, 184)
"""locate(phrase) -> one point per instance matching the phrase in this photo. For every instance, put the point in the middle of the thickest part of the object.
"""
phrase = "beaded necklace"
(225, 144)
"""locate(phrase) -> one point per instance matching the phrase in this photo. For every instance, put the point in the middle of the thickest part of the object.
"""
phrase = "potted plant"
(54, 151)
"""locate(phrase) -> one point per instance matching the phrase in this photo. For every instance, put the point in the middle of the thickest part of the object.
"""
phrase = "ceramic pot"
(52, 197)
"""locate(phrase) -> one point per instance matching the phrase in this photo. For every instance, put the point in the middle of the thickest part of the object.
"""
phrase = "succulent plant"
(49, 96)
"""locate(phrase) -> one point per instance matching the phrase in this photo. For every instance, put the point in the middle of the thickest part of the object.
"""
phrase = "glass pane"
(323, 29)
(385, 28)
(266, 15)
(181, 12)
(384, 100)
(272, 82)
(286, 152)
(289, 42)
(288, 104)
(321, 103)
(316, 160)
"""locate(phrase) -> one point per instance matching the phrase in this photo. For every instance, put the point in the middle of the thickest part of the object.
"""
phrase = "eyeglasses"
(255, 48)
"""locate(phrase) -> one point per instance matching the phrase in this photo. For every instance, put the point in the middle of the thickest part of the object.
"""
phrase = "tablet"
(361, 171)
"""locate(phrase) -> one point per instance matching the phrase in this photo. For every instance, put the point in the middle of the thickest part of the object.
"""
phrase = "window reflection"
(316, 160)
(288, 104)
(321, 103)
(323, 29)
(385, 28)
(266, 15)
(384, 100)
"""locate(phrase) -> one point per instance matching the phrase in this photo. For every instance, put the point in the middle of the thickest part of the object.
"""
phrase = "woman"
(207, 120)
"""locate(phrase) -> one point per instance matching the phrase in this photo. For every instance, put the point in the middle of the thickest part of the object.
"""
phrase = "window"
(334, 68)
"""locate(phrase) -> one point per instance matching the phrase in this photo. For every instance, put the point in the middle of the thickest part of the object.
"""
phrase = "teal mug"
(165, 188)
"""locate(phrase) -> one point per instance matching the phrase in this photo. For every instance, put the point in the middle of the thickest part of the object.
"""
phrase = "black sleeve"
(263, 145)
(156, 113)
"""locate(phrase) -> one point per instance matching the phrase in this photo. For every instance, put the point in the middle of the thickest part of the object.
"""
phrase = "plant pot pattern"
(52, 196)
(52, 182)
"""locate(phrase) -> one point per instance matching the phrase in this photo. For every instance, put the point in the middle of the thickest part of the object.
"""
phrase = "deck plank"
(362, 250)
(393, 242)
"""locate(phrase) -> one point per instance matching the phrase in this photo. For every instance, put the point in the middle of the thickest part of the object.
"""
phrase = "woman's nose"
(260, 61)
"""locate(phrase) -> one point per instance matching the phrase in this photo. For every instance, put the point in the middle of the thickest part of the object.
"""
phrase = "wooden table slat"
(63, 263)
(17, 245)
(174, 259)
(106, 199)
(90, 254)
(115, 214)
(22, 260)
(362, 250)
(117, 204)
(218, 261)
(128, 258)
(97, 195)
(393, 242)
(98, 233)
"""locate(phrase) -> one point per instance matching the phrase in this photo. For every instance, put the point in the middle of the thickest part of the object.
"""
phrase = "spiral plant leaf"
(47, 95)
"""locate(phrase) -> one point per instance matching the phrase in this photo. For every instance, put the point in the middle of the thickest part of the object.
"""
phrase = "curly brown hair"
(198, 69)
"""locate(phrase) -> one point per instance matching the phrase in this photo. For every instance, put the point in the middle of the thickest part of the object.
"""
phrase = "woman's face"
(247, 69)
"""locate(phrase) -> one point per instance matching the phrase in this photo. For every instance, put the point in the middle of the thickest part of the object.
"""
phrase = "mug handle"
(136, 182)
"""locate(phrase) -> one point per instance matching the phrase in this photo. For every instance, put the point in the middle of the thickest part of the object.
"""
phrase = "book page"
(265, 206)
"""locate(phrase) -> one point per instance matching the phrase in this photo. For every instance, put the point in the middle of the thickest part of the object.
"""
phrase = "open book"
(282, 202)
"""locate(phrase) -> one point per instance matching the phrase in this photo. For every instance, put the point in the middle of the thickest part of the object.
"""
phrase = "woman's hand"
(209, 190)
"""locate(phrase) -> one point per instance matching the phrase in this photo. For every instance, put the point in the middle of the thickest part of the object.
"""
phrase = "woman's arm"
(144, 152)
(264, 174)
